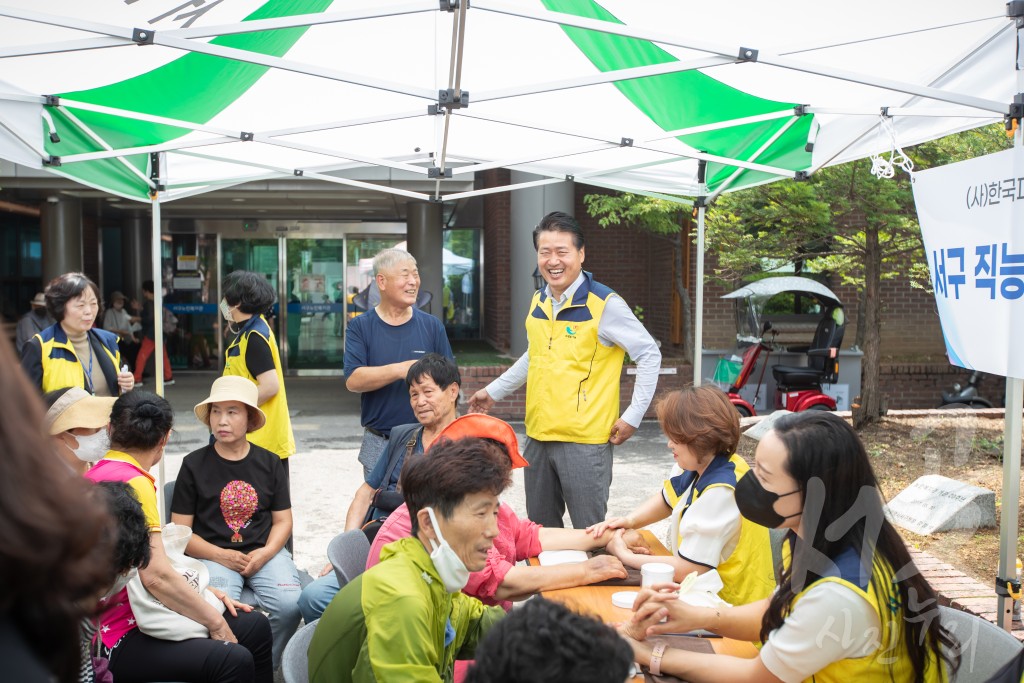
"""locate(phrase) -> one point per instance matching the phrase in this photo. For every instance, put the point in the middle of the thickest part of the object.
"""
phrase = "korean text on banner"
(972, 223)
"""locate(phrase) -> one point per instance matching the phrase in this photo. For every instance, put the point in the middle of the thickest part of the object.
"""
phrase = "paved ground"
(325, 474)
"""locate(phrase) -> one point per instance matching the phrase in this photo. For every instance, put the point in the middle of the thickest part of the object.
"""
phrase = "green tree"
(846, 222)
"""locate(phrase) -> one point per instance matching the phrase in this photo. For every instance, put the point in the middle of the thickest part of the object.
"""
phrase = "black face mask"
(758, 504)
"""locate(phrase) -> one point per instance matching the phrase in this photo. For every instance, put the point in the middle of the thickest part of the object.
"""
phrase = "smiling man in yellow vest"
(578, 332)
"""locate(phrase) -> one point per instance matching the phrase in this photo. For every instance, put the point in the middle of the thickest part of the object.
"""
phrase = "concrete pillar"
(527, 208)
(61, 236)
(136, 260)
(425, 240)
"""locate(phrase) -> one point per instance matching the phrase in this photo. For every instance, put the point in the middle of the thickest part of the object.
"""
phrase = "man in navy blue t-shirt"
(382, 345)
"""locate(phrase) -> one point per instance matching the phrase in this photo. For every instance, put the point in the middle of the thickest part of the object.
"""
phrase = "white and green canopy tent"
(157, 99)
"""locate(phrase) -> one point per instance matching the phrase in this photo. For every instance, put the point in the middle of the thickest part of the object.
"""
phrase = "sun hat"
(114, 296)
(78, 408)
(233, 388)
(39, 300)
(486, 427)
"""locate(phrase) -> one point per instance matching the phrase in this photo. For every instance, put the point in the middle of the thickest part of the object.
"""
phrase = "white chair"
(984, 647)
(348, 552)
(295, 660)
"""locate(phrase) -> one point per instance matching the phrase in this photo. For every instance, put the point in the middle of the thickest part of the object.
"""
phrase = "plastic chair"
(984, 647)
(776, 537)
(348, 552)
(295, 660)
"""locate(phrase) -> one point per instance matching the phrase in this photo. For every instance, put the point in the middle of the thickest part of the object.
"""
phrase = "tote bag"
(152, 617)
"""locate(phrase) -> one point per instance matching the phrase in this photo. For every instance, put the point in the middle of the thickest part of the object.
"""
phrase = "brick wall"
(496, 229)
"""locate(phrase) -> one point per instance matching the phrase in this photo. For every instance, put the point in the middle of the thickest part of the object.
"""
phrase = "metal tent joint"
(801, 176)
(246, 136)
(51, 161)
(1015, 111)
(143, 36)
(699, 203)
(1015, 11)
(452, 5)
(298, 172)
(1008, 588)
(51, 101)
(747, 54)
(435, 172)
(801, 110)
(447, 99)
(626, 142)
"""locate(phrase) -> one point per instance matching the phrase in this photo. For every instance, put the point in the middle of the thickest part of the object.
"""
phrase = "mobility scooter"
(797, 387)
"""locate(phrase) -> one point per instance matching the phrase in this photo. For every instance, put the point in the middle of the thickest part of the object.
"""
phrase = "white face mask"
(449, 566)
(119, 583)
(92, 447)
(225, 310)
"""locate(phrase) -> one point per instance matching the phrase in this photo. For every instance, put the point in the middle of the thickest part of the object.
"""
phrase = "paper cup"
(656, 572)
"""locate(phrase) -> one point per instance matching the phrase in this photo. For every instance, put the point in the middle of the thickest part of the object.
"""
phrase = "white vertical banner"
(972, 223)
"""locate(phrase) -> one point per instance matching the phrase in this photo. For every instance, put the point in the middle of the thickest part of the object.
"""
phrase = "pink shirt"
(517, 540)
(117, 617)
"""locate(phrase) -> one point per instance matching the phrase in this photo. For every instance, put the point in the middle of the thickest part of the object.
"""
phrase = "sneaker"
(168, 382)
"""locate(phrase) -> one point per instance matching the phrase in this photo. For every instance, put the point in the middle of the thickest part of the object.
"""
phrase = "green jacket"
(389, 624)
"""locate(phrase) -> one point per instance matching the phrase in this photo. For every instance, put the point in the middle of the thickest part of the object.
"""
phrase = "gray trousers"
(370, 450)
(564, 475)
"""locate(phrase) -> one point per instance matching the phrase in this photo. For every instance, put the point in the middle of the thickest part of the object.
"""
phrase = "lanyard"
(88, 373)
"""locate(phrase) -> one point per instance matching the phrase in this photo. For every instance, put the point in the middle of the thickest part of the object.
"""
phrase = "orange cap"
(486, 427)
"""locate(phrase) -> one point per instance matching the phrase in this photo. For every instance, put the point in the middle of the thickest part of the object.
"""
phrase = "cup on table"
(656, 572)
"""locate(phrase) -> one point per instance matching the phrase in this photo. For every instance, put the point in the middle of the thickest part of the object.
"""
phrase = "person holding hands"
(707, 532)
(851, 606)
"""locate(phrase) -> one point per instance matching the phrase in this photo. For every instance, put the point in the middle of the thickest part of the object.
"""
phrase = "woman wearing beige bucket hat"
(76, 421)
(234, 496)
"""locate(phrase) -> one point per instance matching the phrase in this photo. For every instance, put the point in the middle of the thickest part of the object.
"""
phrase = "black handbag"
(386, 501)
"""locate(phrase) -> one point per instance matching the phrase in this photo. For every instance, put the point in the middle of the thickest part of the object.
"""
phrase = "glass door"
(260, 256)
(191, 324)
(316, 298)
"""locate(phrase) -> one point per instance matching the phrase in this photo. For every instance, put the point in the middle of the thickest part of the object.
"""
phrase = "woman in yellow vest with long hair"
(253, 354)
(703, 429)
(851, 605)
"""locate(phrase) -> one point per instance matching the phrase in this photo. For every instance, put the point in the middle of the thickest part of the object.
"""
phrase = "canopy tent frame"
(182, 39)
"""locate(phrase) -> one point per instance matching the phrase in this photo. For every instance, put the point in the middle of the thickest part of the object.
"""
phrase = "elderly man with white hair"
(382, 345)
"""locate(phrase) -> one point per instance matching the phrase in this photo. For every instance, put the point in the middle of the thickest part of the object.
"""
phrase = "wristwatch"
(656, 655)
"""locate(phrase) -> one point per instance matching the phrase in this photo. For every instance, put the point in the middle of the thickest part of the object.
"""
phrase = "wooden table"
(596, 601)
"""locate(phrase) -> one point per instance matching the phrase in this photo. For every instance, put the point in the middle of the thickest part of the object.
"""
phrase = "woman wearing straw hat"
(77, 420)
(234, 496)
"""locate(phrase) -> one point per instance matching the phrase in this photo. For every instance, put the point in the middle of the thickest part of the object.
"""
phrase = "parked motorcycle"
(966, 396)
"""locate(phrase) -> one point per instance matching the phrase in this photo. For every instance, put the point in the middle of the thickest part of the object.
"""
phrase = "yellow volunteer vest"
(747, 574)
(890, 661)
(276, 435)
(61, 367)
(572, 390)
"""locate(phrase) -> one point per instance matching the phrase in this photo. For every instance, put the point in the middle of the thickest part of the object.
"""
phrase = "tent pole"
(158, 326)
(698, 318)
(1011, 488)
(1012, 428)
